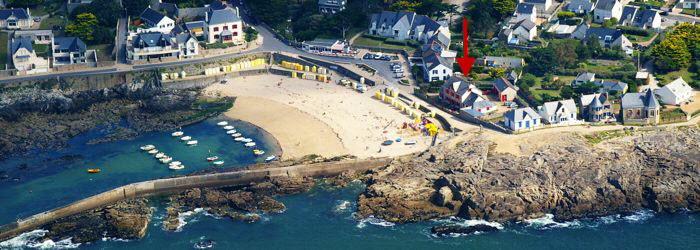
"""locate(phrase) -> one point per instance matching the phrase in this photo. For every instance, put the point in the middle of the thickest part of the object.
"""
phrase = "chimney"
(206, 16)
(237, 13)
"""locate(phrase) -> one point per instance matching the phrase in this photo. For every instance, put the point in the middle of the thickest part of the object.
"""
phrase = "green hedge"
(380, 38)
(634, 31)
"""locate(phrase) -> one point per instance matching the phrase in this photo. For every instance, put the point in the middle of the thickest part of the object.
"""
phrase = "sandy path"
(298, 133)
(357, 121)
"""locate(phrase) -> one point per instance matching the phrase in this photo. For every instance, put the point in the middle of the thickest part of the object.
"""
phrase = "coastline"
(269, 139)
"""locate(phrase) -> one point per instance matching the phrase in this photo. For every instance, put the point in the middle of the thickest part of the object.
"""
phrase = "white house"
(69, 50)
(435, 67)
(542, 5)
(524, 31)
(522, 119)
(580, 6)
(610, 38)
(607, 9)
(582, 78)
(559, 112)
(15, 19)
(525, 11)
(188, 45)
(159, 46)
(24, 57)
(224, 25)
(691, 4)
(406, 25)
(675, 93)
(156, 22)
(643, 18)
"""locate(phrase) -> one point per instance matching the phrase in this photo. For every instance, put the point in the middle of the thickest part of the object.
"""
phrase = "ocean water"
(318, 219)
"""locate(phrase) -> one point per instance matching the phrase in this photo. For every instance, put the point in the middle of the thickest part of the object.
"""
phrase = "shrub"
(634, 31)
(395, 42)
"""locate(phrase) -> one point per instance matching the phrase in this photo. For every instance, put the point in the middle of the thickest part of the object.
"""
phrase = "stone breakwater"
(35, 117)
(657, 170)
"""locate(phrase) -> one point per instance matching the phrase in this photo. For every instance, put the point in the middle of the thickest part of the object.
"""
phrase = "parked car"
(385, 58)
(399, 70)
(367, 56)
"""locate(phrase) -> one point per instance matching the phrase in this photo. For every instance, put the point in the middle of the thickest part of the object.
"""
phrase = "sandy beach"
(310, 117)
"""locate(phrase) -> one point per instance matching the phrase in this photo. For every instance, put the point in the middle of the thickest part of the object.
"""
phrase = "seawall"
(170, 185)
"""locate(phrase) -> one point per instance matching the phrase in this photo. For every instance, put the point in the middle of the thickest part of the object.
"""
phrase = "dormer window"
(608, 38)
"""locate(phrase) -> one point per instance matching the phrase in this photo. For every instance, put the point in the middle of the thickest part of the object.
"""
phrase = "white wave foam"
(31, 240)
(342, 206)
(640, 215)
(547, 222)
(374, 221)
(184, 216)
(468, 223)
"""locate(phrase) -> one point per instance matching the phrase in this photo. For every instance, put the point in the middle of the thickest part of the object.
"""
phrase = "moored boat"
(228, 127)
(232, 131)
(258, 152)
(247, 140)
(166, 160)
(224, 123)
(270, 158)
(192, 142)
(176, 167)
(147, 147)
(153, 151)
(218, 163)
(213, 158)
(186, 138)
(93, 170)
(178, 133)
(411, 142)
(239, 139)
(236, 135)
(250, 144)
(160, 155)
(175, 163)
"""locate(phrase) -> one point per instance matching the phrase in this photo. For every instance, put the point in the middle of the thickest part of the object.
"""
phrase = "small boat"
(213, 158)
(239, 139)
(166, 160)
(204, 244)
(387, 142)
(147, 147)
(218, 163)
(230, 132)
(250, 144)
(178, 133)
(228, 127)
(247, 140)
(270, 158)
(224, 123)
(236, 135)
(160, 155)
(186, 138)
(93, 170)
(175, 163)
(192, 142)
(411, 142)
(176, 167)
(153, 151)
(258, 152)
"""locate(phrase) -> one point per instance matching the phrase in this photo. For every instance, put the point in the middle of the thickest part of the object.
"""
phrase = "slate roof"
(19, 13)
(441, 38)
(612, 85)
(525, 8)
(591, 98)
(525, 23)
(501, 84)
(640, 100)
(338, 3)
(536, 1)
(551, 108)
(605, 5)
(601, 33)
(520, 114)
(217, 5)
(410, 20)
(515, 62)
(579, 5)
(152, 16)
(596, 103)
(22, 42)
(433, 59)
(222, 16)
(628, 14)
(677, 86)
(152, 39)
(195, 24)
(183, 38)
(585, 77)
(72, 44)
(644, 17)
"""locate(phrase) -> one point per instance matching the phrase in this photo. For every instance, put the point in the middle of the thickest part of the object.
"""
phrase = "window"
(444, 71)
(234, 26)
(216, 36)
(520, 124)
(216, 28)
(225, 27)
(235, 33)
(435, 71)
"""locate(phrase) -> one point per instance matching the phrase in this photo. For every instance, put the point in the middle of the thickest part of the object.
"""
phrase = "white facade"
(675, 93)
(600, 14)
(522, 119)
(524, 34)
(440, 72)
(526, 16)
(559, 112)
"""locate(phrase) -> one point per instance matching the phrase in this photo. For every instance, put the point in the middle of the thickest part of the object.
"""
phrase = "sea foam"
(548, 222)
(374, 221)
(31, 240)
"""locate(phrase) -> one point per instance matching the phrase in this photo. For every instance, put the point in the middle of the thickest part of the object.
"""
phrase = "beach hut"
(183, 74)
(313, 69)
(306, 68)
(362, 80)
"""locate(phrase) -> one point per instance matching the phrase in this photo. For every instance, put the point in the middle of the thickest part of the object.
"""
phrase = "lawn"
(365, 41)
(640, 39)
(690, 12)
(3, 50)
(103, 51)
(49, 23)
(666, 78)
(42, 50)
(38, 11)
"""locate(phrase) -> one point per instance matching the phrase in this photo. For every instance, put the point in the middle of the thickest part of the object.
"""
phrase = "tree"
(84, 27)
(109, 11)
(565, 14)
(610, 23)
(671, 54)
(23, 3)
(134, 7)
(503, 7)
(565, 51)
(543, 60)
(567, 92)
(632, 87)
(587, 88)
(452, 9)
(404, 5)
(250, 34)
(528, 79)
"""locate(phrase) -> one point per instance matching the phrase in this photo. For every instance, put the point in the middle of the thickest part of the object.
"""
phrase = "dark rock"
(446, 230)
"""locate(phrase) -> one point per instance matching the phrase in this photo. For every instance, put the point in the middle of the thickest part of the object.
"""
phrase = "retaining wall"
(170, 185)
(340, 69)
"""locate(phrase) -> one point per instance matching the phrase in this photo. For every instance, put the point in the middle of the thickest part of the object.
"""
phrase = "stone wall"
(170, 185)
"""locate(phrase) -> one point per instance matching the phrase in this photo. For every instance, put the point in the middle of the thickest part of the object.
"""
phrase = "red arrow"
(465, 63)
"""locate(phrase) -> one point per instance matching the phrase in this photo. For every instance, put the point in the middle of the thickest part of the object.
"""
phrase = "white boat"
(192, 142)
(250, 144)
(176, 167)
(147, 147)
(239, 139)
(213, 158)
(178, 133)
(186, 138)
(166, 160)
(230, 132)
(247, 140)
(411, 142)
(153, 151)
(236, 135)
(218, 163)
(224, 123)
(228, 127)
(160, 155)
(270, 158)
(175, 163)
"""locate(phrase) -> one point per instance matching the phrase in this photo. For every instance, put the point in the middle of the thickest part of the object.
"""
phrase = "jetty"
(176, 184)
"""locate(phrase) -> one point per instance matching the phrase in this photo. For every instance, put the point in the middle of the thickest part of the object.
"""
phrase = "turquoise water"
(319, 219)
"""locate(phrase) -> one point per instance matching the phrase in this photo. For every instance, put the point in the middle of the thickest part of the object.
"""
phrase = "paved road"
(121, 40)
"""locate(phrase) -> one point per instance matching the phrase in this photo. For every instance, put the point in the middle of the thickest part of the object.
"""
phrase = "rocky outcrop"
(659, 170)
(126, 219)
(238, 204)
(447, 230)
